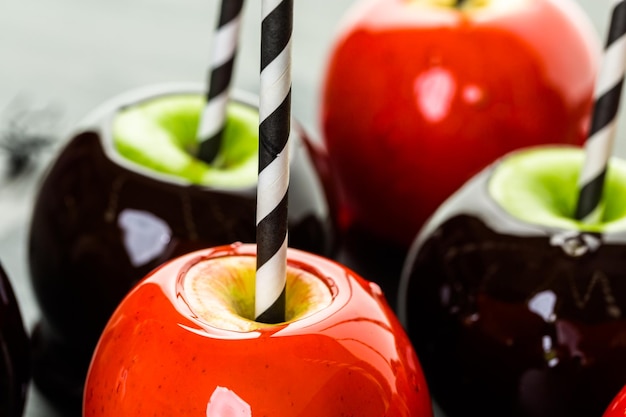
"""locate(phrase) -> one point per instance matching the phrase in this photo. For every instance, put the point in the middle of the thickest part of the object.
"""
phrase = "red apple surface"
(170, 350)
(418, 96)
(617, 408)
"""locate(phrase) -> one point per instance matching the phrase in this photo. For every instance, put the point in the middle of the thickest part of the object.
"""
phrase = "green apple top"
(160, 134)
(540, 186)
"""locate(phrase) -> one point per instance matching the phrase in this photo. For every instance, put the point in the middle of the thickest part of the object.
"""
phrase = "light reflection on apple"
(226, 403)
(145, 235)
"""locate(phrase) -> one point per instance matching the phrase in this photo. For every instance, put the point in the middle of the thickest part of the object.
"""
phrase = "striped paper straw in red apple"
(213, 118)
(273, 183)
(599, 144)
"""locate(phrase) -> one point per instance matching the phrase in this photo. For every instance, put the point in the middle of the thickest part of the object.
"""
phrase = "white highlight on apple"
(434, 91)
(145, 235)
(543, 304)
(226, 403)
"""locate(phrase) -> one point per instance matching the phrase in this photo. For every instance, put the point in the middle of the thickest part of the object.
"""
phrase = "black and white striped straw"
(213, 118)
(599, 144)
(273, 183)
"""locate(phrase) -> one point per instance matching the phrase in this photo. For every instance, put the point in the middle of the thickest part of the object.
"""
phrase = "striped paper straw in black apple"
(599, 144)
(213, 118)
(273, 183)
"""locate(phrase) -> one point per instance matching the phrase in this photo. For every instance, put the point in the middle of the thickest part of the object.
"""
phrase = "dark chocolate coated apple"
(101, 223)
(14, 353)
(515, 316)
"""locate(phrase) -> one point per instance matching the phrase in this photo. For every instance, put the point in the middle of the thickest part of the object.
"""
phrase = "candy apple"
(184, 342)
(125, 195)
(514, 307)
(14, 357)
(617, 408)
(419, 95)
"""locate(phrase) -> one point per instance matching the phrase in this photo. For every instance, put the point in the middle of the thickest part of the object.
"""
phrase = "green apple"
(160, 134)
(515, 308)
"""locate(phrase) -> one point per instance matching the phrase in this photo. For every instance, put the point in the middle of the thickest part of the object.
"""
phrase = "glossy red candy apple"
(418, 96)
(514, 307)
(14, 353)
(617, 408)
(183, 343)
(102, 220)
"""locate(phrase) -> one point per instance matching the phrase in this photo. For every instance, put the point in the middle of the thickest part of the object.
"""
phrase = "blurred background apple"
(418, 96)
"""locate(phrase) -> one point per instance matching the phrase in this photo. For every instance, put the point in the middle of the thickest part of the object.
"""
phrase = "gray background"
(71, 55)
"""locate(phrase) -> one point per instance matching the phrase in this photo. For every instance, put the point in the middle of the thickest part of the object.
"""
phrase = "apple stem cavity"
(220, 291)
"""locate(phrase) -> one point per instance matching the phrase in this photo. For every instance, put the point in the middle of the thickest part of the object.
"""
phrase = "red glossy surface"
(418, 99)
(351, 358)
(617, 408)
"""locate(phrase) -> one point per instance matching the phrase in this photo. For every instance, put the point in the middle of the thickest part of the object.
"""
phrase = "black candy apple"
(14, 357)
(127, 194)
(514, 307)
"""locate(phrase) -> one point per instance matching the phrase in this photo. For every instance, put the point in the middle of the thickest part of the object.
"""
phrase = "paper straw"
(273, 183)
(213, 118)
(599, 144)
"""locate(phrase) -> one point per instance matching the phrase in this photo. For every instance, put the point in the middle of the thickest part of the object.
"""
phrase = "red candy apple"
(420, 95)
(617, 408)
(182, 343)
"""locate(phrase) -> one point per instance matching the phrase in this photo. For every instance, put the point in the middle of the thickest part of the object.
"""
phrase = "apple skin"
(14, 353)
(98, 226)
(417, 99)
(505, 322)
(617, 408)
(350, 358)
